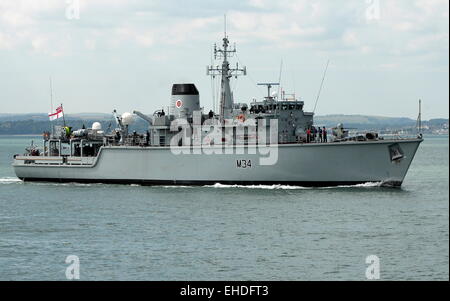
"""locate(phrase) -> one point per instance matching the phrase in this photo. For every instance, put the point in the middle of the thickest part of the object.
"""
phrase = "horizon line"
(327, 115)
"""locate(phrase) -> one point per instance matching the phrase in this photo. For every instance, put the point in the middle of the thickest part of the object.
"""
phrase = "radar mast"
(226, 96)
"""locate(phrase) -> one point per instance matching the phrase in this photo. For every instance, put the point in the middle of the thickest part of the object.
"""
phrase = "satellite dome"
(127, 118)
(97, 126)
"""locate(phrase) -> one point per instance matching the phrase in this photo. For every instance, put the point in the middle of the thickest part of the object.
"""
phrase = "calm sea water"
(224, 232)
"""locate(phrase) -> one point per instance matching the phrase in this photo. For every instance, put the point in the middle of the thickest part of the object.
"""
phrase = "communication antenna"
(321, 86)
(419, 119)
(279, 78)
(293, 80)
(51, 104)
(225, 25)
(51, 95)
(213, 88)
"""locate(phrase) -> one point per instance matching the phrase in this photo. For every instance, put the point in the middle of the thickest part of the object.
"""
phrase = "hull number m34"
(244, 164)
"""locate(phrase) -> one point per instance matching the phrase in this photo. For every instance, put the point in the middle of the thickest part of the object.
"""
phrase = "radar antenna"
(269, 86)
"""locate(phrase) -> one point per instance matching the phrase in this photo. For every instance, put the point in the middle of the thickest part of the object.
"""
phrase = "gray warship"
(268, 142)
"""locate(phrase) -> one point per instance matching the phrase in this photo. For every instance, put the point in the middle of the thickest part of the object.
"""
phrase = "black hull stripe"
(203, 183)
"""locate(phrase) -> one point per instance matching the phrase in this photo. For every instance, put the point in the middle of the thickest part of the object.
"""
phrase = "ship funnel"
(185, 100)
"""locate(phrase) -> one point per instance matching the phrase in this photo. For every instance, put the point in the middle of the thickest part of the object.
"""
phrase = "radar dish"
(127, 118)
(96, 126)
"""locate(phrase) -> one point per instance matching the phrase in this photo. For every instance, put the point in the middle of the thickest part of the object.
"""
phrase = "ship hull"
(313, 165)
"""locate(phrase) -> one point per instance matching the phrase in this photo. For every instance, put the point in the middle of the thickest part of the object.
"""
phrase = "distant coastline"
(21, 135)
(37, 123)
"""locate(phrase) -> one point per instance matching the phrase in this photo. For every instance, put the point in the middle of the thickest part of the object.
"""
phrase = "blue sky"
(125, 55)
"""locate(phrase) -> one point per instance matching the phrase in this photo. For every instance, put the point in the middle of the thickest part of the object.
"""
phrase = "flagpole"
(51, 95)
(64, 119)
(51, 104)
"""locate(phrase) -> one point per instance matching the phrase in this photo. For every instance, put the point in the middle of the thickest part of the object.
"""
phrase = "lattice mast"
(226, 96)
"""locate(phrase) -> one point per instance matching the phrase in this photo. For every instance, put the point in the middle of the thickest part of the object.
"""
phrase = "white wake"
(270, 187)
(9, 180)
(289, 187)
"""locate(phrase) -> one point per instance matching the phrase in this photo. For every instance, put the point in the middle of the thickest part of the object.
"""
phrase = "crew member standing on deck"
(308, 135)
(320, 135)
(324, 133)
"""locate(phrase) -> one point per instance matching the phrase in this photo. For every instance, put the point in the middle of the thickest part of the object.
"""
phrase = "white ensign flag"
(57, 114)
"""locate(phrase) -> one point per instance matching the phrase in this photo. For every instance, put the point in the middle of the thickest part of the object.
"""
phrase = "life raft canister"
(241, 117)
